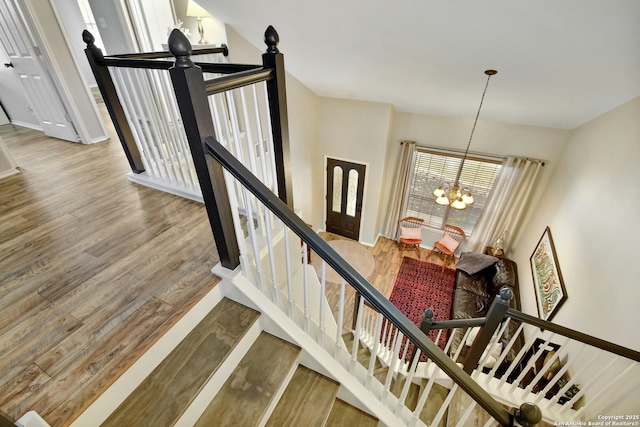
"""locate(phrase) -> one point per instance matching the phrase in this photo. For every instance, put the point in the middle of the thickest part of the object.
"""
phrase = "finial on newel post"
(271, 39)
(180, 48)
(88, 38)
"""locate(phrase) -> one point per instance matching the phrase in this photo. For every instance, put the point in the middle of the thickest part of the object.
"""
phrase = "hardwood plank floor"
(93, 270)
(387, 257)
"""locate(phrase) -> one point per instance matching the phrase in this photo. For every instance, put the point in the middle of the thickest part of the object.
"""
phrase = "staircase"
(227, 371)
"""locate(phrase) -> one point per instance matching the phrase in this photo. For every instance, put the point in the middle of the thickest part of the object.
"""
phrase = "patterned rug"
(420, 285)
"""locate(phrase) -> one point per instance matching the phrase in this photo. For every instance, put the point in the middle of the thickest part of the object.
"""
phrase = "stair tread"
(306, 401)
(246, 395)
(346, 415)
(165, 394)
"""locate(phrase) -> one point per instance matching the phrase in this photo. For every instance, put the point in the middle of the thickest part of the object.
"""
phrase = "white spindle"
(516, 361)
(546, 366)
(541, 395)
(272, 162)
(603, 389)
(506, 350)
(323, 288)
(123, 93)
(356, 336)
(287, 254)
(426, 390)
(183, 153)
(463, 419)
(305, 288)
(531, 362)
(407, 382)
(341, 299)
(150, 131)
(445, 405)
(391, 373)
(260, 143)
(242, 243)
(374, 352)
(593, 378)
(159, 122)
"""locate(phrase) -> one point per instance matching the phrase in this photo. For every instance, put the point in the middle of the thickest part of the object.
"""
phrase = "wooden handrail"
(355, 279)
(573, 334)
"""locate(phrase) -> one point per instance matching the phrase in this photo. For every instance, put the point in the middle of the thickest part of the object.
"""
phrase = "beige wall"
(546, 144)
(356, 131)
(591, 205)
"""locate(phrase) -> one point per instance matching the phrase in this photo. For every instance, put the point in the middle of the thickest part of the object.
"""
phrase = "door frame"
(324, 187)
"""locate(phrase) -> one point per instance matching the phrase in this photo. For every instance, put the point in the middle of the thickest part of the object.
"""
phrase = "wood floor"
(94, 269)
(387, 259)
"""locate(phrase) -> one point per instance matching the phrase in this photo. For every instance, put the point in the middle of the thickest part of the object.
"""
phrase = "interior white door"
(25, 59)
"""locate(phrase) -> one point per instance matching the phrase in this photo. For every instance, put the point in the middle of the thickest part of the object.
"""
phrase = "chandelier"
(454, 195)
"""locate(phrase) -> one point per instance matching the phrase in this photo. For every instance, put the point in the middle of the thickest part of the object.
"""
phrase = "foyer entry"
(345, 188)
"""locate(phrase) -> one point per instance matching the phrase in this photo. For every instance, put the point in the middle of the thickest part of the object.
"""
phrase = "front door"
(345, 188)
(25, 60)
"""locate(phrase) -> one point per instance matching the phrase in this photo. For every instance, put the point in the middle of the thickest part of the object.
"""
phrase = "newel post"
(112, 102)
(277, 95)
(494, 317)
(191, 96)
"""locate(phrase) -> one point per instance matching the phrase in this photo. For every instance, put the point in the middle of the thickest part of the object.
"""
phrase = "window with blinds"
(431, 169)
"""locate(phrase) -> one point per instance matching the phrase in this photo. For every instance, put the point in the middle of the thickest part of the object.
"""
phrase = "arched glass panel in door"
(337, 189)
(352, 192)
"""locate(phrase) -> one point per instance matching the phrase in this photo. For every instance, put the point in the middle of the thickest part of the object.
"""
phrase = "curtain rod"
(473, 153)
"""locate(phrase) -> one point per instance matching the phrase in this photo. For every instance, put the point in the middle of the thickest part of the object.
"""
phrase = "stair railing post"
(425, 326)
(494, 317)
(189, 87)
(277, 95)
(112, 102)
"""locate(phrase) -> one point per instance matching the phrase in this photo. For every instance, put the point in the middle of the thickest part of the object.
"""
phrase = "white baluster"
(445, 405)
(339, 340)
(374, 351)
(323, 288)
(287, 254)
(407, 382)
(531, 363)
(305, 289)
(356, 336)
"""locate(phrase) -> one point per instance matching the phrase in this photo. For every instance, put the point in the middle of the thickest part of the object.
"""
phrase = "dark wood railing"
(210, 157)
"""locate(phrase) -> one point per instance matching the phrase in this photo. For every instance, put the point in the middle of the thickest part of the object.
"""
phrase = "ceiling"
(560, 63)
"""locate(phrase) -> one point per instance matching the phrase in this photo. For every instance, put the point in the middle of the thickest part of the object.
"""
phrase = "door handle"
(8, 65)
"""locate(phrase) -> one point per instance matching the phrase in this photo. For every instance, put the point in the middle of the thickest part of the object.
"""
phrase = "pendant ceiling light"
(455, 196)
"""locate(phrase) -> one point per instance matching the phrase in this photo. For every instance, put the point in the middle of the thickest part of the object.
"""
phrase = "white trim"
(9, 172)
(27, 125)
(364, 191)
(102, 407)
(31, 419)
(144, 179)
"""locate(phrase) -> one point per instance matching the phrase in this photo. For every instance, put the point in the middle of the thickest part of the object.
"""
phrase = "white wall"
(355, 131)
(591, 204)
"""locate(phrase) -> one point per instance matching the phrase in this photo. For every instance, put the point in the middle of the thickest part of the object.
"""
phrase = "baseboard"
(9, 172)
(26, 125)
(147, 181)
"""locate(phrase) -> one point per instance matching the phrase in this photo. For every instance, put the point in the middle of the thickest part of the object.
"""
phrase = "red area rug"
(420, 285)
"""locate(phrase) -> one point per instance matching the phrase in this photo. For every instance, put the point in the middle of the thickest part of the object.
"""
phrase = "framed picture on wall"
(547, 279)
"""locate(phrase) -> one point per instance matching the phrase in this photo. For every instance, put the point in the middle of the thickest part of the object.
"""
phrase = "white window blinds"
(432, 169)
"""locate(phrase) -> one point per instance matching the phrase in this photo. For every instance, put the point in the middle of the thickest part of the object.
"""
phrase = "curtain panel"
(400, 187)
(505, 206)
